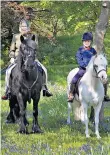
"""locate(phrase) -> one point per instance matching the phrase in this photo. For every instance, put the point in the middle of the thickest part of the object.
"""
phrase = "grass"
(58, 137)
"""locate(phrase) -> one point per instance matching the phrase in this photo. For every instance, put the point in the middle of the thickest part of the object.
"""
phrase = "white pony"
(91, 91)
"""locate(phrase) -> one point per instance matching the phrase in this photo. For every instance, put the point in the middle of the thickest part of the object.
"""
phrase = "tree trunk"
(100, 31)
(101, 27)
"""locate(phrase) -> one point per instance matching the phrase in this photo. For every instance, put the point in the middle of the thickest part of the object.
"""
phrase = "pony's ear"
(33, 38)
(21, 38)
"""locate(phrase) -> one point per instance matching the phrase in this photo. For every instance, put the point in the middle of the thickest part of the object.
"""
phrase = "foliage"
(52, 17)
(59, 17)
(59, 25)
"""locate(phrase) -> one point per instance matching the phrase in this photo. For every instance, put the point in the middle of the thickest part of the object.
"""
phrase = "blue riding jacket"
(83, 56)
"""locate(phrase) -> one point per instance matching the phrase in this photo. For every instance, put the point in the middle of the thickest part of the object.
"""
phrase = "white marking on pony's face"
(100, 60)
(100, 66)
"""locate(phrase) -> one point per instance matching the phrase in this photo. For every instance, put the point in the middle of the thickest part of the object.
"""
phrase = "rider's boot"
(71, 93)
(106, 98)
(46, 92)
(6, 96)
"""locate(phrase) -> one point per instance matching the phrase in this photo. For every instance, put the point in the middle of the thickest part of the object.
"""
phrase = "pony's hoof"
(98, 137)
(23, 131)
(87, 136)
(69, 122)
(26, 123)
(37, 131)
(10, 121)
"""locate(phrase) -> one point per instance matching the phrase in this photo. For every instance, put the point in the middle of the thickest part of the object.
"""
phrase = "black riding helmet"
(87, 36)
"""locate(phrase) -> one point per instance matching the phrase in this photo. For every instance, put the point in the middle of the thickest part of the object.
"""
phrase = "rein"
(98, 71)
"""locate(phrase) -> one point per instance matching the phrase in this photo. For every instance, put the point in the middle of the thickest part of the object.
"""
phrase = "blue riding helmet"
(87, 36)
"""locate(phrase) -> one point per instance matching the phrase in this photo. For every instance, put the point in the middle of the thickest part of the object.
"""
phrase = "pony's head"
(100, 67)
(28, 52)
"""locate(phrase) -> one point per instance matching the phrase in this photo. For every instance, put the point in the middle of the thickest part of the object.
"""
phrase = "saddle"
(39, 67)
(76, 91)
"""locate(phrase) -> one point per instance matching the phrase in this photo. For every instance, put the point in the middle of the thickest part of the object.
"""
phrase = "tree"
(101, 27)
(100, 31)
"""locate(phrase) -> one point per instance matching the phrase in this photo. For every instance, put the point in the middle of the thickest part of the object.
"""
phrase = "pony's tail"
(78, 111)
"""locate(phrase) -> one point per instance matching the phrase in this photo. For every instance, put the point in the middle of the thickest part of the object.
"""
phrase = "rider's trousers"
(78, 75)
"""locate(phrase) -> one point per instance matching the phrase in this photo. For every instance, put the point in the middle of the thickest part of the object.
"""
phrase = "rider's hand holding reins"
(12, 60)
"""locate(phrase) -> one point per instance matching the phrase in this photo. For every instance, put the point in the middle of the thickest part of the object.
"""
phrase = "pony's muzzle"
(103, 76)
(104, 79)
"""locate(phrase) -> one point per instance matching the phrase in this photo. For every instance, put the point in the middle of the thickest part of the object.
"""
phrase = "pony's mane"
(19, 59)
(91, 62)
(103, 58)
(101, 55)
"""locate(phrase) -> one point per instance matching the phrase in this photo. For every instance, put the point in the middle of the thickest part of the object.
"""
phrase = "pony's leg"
(10, 118)
(25, 119)
(36, 127)
(69, 104)
(69, 111)
(16, 111)
(97, 111)
(23, 128)
(86, 120)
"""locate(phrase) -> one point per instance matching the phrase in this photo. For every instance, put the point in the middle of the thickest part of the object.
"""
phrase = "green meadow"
(58, 137)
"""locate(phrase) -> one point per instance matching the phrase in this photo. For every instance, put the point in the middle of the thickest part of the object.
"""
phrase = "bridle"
(25, 58)
(29, 55)
(97, 73)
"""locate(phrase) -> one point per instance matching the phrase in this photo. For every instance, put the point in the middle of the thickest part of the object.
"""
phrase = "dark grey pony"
(25, 84)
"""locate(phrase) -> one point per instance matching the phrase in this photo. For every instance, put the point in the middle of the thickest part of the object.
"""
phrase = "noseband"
(94, 67)
(29, 55)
